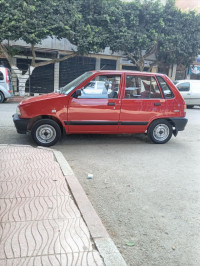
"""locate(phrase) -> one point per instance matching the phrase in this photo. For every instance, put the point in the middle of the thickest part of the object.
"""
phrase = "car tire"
(46, 132)
(160, 131)
(2, 97)
(190, 106)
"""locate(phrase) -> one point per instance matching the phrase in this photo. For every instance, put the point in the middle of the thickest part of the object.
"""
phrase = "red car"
(105, 102)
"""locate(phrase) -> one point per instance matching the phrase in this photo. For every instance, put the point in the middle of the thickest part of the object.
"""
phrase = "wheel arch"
(1, 91)
(162, 118)
(40, 117)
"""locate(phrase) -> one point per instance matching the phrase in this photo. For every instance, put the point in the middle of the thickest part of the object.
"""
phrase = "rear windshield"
(1, 76)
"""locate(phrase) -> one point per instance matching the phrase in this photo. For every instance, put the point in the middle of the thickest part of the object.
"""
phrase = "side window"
(102, 87)
(165, 88)
(141, 87)
(183, 86)
(1, 76)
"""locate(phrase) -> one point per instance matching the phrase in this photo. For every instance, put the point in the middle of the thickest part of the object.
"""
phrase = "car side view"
(105, 102)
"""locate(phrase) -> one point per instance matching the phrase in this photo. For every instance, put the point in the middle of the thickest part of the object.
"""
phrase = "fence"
(46, 79)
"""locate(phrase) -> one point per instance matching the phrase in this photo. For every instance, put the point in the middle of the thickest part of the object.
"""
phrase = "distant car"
(190, 91)
(5, 84)
(96, 87)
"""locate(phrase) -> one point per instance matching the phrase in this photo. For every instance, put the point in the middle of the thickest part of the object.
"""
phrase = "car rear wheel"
(160, 131)
(190, 106)
(1, 97)
(46, 132)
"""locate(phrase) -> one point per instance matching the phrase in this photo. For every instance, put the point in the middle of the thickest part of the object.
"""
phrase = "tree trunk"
(23, 78)
(140, 64)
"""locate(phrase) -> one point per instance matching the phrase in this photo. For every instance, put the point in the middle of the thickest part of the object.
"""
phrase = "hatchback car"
(131, 102)
(190, 91)
(5, 84)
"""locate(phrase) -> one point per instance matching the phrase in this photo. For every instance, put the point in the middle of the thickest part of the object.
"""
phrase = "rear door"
(142, 101)
(97, 109)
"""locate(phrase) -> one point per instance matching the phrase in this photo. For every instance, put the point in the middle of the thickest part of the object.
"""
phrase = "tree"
(33, 20)
(179, 41)
(139, 32)
(148, 28)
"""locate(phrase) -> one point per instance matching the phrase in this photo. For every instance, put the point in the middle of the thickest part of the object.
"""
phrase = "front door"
(97, 109)
(142, 101)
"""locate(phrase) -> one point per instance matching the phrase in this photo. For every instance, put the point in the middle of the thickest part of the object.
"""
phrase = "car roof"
(108, 72)
(187, 80)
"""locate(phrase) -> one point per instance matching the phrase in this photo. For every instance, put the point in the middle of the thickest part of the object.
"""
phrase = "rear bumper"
(20, 124)
(179, 122)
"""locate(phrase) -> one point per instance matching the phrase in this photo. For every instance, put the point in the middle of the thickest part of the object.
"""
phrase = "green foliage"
(34, 20)
(141, 23)
(179, 41)
(148, 27)
(138, 28)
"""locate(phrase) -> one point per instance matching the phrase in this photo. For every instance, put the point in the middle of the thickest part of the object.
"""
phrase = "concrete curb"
(103, 242)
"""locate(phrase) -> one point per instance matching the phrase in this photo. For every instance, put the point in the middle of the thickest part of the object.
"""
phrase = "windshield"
(73, 84)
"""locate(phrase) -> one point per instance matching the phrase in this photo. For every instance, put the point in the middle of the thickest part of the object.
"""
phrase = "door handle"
(157, 104)
(111, 104)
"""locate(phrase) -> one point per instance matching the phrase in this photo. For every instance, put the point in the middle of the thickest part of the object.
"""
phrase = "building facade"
(188, 4)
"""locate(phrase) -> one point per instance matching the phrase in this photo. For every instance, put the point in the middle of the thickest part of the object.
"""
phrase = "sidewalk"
(45, 216)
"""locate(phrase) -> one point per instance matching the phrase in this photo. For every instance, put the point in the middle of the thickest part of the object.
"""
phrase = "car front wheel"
(160, 131)
(46, 132)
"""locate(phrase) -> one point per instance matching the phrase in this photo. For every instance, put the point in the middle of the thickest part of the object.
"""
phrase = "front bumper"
(179, 122)
(20, 124)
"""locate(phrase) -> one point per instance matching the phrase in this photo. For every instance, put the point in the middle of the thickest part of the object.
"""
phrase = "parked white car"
(95, 87)
(190, 91)
(5, 84)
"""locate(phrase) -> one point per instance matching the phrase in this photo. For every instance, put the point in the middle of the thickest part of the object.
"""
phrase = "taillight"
(7, 77)
(185, 109)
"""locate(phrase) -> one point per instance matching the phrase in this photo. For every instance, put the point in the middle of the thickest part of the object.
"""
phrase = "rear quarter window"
(1, 76)
(167, 92)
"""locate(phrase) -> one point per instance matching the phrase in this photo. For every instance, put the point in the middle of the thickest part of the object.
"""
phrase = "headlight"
(18, 112)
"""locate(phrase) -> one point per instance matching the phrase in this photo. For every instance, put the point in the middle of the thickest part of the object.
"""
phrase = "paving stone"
(40, 223)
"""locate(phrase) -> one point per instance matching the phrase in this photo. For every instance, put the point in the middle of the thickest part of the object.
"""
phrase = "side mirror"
(77, 93)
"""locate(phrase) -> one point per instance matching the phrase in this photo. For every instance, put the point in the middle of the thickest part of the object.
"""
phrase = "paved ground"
(147, 195)
(40, 223)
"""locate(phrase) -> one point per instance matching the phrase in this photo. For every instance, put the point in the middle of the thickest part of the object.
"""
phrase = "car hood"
(42, 98)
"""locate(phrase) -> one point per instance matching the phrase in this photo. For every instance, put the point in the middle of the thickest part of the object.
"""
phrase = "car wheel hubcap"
(46, 133)
(161, 132)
